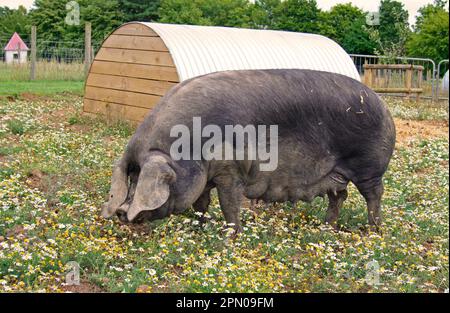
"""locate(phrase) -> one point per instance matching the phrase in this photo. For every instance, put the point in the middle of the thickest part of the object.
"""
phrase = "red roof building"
(16, 43)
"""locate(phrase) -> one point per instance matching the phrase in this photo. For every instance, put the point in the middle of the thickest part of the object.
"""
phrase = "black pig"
(331, 130)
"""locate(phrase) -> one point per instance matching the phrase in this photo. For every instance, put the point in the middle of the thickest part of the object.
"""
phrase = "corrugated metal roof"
(198, 50)
(16, 43)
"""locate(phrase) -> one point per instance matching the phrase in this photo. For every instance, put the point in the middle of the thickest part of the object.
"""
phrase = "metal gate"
(430, 83)
(441, 91)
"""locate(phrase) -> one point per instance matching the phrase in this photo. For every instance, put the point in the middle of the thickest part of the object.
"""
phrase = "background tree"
(182, 12)
(105, 17)
(264, 13)
(357, 39)
(233, 13)
(346, 24)
(14, 20)
(139, 10)
(392, 33)
(428, 9)
(430, 37)
(298, 15)
(236, 13)
(49, 17)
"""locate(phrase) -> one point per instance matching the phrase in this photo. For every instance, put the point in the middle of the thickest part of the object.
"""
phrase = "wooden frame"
(371, 72)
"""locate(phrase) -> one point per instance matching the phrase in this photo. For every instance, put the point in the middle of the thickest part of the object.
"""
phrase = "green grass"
(422, 110)
(16, 127)
(55, 174)
(45, 70)
(40, 87)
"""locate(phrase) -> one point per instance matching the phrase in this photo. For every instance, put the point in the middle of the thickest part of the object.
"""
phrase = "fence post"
(408, 80)
(33, 53)
(419, 81)
(87, 47)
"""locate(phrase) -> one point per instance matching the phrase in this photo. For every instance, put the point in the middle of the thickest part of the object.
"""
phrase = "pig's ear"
(119, 189)
(152, 189)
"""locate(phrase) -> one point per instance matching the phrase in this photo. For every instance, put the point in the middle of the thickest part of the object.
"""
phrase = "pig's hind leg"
(372, 191)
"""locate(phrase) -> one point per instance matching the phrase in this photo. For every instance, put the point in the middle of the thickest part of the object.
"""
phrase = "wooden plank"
(135, 70)
(419, 83)
(398, 90)
(135, 42)
(121, 97)
(408, 80)
(135, 56)
(136, 30)
(393, 66)
(368, 77)
(419, 78)
(115, 111)
(154, 87)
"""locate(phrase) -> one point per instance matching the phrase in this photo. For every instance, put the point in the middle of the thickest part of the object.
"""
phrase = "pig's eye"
(112, 196)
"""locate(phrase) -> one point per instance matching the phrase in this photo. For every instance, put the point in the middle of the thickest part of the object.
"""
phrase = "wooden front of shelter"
(130, 73)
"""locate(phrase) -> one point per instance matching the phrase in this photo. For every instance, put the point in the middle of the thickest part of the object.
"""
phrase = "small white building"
(16, 51)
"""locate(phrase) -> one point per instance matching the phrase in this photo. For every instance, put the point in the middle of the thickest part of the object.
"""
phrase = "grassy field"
(40, 87)
(55, 167)
(51, 78)
(45, 70)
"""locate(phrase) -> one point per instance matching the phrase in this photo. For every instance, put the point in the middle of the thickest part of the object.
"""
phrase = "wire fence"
(55, 60)
(431, 80)
(61, 51)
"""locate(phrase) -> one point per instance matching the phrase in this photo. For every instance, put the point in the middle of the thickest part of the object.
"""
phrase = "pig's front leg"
(202, 203)
(230, 193)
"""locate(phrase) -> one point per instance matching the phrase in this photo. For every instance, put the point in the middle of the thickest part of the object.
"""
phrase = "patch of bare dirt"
(11, 98)
(17, 231)
(13, 139)
(57, 116)
(78, 128)
(32, 97)
(83, 287)
(35, 180)
(408, 130)
(144, 289)
(108, 140)
(142, 229)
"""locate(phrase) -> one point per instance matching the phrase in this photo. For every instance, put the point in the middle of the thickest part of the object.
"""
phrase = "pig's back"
(320, 109)
(326, 122)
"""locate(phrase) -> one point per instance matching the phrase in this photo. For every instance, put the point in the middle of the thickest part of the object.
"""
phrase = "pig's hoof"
(202, 220)
(236, 233)
(333, 225)
(233, 232)
(376, 229)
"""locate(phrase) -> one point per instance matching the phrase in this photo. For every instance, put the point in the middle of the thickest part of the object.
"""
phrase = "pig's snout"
(122, 215)
(106, 213)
